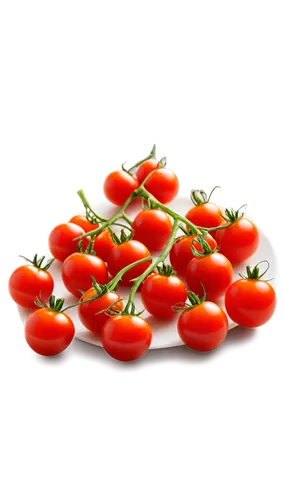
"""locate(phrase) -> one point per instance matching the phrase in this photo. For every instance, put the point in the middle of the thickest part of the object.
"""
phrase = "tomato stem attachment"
(194, 300)
(254, 273)
(37, 262)
(199, 196)
(54, 304)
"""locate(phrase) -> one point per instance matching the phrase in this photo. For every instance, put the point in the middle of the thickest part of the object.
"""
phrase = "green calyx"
(254, 273)
(89, 249)
(194, 300)
(165, 269)
(206, 248)
(54, 304)
(38, 262)
(232, 215)
(123, 238)
(199, 197)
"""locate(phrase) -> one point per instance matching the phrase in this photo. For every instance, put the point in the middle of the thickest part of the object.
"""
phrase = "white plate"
(164, 332)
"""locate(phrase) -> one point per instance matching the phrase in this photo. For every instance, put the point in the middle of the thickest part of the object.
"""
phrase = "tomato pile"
(98, 254)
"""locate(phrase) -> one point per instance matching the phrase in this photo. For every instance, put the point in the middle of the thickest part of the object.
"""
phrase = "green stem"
(208, 229)
(141, 191)
(130, 304)
(88, 207)
(126, 218)
(151, 155)
(119, 215)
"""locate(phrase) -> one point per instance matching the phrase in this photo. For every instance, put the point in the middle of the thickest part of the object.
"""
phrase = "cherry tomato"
(239, 241)
(49, 332)
(126, 337)
(153, 228)
(181, 252)
(61, 238)
(250, 302)
(214, 271)
(77, 271)
(205, 215)
(163, 184)
(145, 168)
(88, 312)
(160, 293)
(118, 186)
(103, 243)
(82, 221)
(28, 282)
(203, 327)
(124, 254)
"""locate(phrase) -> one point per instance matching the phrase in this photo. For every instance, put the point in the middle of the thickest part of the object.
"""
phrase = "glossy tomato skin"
(163, 184)
(239, 241)
(250, 303)
(214, 271)
(160, 293)
(145, 168)
(77, 271)
(103, 243)
(181, 252)
(125, 337)
(27, 283)
(61, 242)
(88, 312)
(205, 215)
(124, 254)
(204, 327)
(118, 186)
(153, 228)
(82, 222)
(48, 332)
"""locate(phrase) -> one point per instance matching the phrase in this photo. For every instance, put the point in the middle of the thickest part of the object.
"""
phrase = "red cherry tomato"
(118, 186)
(181, 252)
(82, 221)
(61, 238)
(125, 337)
(204, 327)
(214, 271)
(27, 283)
(124, 254)
(160, 293)
(88, 312)
(49, 332)
(250, 302)
(205, 215)
(103, 243)
(145, 168)
(239, 241)
(77, 271)
(163, 184)
(153, 228)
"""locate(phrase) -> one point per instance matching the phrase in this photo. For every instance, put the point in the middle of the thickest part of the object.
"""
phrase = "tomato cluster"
(203, 247)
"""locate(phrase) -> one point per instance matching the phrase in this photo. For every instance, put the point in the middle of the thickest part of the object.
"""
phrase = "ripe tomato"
(203, 327)
(118, 186)
(82, 221)
(205, 215)
(160, 293)
(214, 271)
(28, 282)
(181, 252)
(239, 241)
(77, 271)
(126, 337)
(49, 332)
(103, 243)
(145, 168)
(163, 184)
(124, 254)
(61, 238)
(250, 302)
(88, 312)
(153, 228)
